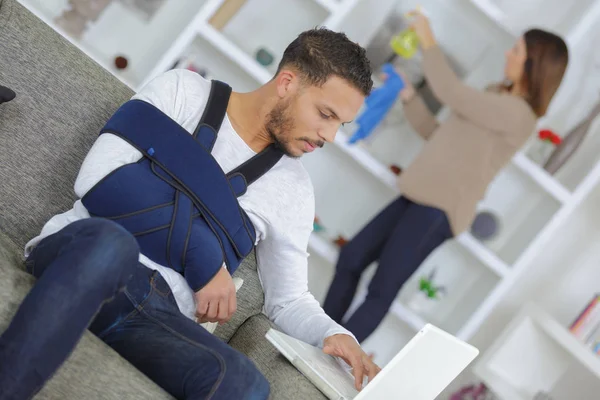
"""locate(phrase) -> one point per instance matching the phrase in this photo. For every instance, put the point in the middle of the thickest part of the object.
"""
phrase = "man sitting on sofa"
(88, 270)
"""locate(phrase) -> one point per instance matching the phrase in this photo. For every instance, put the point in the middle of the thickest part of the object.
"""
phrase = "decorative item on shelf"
(473, 392)
(190, 62)
(378, 104)
(227, 11)
(75, 19)
(317, 227)
(203, 72)
(586, 327)
(542, 395)
(121, 62)
(340, 241)
(428, 295)
(571, 143)
(264, 57)
(396, 170)
(485, 226)
(145, 9)
(543, 148)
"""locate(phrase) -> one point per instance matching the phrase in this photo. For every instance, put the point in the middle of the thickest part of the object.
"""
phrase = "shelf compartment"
(533, 353)
(542, 178)
(251, 28)
(111, 34)
(523, 209)
(466, 279)
(204, 54)
(346, 195)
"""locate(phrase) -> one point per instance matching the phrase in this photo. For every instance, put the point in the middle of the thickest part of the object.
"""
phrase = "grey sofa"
(63, 99)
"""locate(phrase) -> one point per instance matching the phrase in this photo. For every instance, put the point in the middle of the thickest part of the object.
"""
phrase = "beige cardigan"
(463, 154)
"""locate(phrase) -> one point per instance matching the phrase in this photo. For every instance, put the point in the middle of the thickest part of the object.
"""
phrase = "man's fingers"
(329, 350)
(358, 371)
(372, 369)
(213, 310)
(223, 313)
(201, 309)
(232, 304)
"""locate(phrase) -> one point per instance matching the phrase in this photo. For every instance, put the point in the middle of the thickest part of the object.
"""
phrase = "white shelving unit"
(533, 203)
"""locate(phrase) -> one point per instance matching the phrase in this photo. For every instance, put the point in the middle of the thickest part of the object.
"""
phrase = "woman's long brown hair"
(547, 60)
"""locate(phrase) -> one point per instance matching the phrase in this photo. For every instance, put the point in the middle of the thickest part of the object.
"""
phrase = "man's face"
(307, 116)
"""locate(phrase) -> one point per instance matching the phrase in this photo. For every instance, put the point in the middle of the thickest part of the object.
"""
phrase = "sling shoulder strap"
(213, 116)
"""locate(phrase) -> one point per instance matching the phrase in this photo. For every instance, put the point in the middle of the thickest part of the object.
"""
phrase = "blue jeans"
(89, 277)
(400, 238)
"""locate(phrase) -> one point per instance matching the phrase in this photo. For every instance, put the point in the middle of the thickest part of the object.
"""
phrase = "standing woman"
(441, 188)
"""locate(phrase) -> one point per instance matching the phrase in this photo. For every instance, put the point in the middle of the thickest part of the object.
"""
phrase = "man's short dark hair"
(321, 53)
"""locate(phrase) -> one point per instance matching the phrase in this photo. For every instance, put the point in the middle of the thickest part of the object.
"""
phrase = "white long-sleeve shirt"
(280, 205)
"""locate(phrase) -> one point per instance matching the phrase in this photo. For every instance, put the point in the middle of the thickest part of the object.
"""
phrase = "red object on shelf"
(395, 169)
(121, 62)
(549, 136)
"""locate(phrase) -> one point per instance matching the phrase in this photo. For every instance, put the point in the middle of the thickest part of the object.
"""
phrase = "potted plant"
(428, 294)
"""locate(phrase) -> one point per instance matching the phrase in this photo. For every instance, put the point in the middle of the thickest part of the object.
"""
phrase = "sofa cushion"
(94, 370)
(286, 382)
(63, 99)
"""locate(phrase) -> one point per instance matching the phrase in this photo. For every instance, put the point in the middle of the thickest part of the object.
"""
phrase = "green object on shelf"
(264, 57)
(405, 44)
(427, 286)
(317, 227)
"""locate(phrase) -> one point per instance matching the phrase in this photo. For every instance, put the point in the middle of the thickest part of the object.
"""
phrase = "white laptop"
(420, 371)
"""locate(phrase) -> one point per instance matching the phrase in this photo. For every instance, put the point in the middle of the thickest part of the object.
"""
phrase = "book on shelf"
(586, 326)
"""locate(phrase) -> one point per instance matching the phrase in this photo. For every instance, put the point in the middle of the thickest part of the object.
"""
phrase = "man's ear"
(6, 94)
(287, 82)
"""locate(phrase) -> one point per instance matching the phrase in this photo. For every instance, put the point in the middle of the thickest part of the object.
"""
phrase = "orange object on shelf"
(340, 241)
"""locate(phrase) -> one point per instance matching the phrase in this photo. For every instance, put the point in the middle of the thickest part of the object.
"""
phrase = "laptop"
(420, 371)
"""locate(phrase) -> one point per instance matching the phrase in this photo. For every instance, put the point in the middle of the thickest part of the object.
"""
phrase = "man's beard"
(279, 126)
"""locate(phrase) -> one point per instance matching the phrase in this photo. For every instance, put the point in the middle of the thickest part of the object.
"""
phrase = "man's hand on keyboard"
(347, 349)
